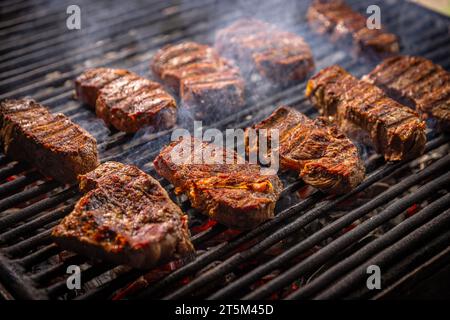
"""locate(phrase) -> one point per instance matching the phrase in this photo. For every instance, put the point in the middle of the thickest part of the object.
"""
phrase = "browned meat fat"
(204, 81)
(126, 101)
(56, 146)
(275, 54)
(339, 19)
(125, 217)
(417, 82)
(392, 128)
(236, 195)
(323, 156)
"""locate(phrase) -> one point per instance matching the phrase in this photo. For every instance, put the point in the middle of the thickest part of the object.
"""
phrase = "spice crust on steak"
(52, 143)
(418, 83)
(236, 195)
(125, 217)
(323, 156)
(393, 129)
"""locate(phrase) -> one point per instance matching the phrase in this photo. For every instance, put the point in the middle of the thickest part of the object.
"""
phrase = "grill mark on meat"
(128, 102)
(56, 146)
(324, 157)
(168, 52)
(236, 195)
(339, 20)
(182, 70)
(391, 126)
(397, 70)
(277, 55)
(422, 85)
(125, 217)
(89, 83)
(52, 128)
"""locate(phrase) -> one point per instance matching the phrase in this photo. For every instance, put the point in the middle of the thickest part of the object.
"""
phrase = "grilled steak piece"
(418, 83)
(89, 83)
(323, 156)
(204, 81)
(237, 195)
(125, 217)
(125, 100)
(393, 129)
(276, 54)
(338, 19)
(56, 146)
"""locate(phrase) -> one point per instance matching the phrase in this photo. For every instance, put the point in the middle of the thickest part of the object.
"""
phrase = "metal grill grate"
(39, 58)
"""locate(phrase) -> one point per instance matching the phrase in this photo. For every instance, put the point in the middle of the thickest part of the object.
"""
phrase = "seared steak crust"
(276, 54)
(125, 217)
(236, 195)
(203, 80)
(56, 146)
(417, 82)
(339, 19)
(323, 156)
(125, 100)
(393, 129)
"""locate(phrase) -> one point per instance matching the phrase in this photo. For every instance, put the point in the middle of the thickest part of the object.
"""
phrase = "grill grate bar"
(27, 212)
(11, 169)
(49, 63)
(431, 252)
(29, 243)
(61, 286)
(398, 249)
(51, 38)
(18, 183)
(40, 20)
(36, 223)
(39, 256)
(390, 238)
(27, 195)
(350, 237)
(57, 269)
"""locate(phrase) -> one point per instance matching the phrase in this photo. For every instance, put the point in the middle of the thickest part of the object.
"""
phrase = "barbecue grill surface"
(316, 247)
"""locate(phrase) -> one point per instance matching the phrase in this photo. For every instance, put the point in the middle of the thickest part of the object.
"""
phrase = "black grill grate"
(39, 57)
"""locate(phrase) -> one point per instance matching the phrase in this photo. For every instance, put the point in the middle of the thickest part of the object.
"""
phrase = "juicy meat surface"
(125, 100)
(275, 54)
(236, 195)
(323, 156)
(339, 19)
(204, 81)
(392, 128)
(417, 82)
(125, 217)
(56, 146)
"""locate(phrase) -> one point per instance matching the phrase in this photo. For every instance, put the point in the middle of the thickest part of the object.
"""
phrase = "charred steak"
(276, 54)
(338, 19)
(204, 81)
(56, 146)
(361, 108)
(125, 100)
(125, 217)
(418, 83)
(237, 195)
(323, 156)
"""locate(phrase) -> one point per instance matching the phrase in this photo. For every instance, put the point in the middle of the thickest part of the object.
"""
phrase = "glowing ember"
(205, 226)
